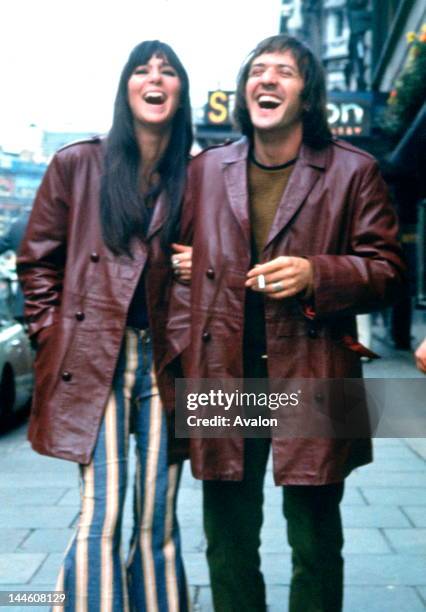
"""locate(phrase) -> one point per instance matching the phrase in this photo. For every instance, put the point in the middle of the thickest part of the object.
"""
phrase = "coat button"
(80, 316)
(312, 332)
(94, 257)
(210, 273)
(66, 376)
(206, 336)
(319, 397)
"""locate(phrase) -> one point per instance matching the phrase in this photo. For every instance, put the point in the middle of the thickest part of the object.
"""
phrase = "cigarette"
(261, 283)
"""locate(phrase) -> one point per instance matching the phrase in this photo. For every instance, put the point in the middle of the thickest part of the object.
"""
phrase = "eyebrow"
(163, 64)
(262, 65)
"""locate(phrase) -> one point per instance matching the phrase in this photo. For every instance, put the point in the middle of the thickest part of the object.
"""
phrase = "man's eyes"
(257, 72)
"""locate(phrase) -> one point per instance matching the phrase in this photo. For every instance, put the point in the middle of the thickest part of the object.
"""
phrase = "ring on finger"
(175, 262)
(261, 283)
(277, 286)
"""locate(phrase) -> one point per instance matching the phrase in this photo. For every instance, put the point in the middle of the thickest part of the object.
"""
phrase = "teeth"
(154, 97)
(266, 101)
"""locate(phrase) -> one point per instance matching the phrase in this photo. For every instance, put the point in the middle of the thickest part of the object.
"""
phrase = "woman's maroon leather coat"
(77, 297)
(336, 212)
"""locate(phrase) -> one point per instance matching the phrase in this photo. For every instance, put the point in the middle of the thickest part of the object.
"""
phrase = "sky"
(60, 60)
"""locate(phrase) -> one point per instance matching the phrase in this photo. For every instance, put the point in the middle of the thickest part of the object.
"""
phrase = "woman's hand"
(282, 277)
(182, 262)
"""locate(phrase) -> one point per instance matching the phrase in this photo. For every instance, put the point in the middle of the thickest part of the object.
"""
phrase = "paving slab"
(47, 540)
(385, 570)
(422, 594)
(362, 541)
(42, 496)
(203, 600)
(417, 514)
(418, 445)
(395, 464)
(411, 541)
(11, 538)
(193, 540)
(374, 516)
(382, 599)
(56, 480)
(395, 496)
(379, 478)
(70, 497)
(353, 496)
(356, 599)
(44, 516)
(196, 569)
(28, 461)
(276, 568)
(385, 453)
(48, 571)
(388, 443)
(17, 568)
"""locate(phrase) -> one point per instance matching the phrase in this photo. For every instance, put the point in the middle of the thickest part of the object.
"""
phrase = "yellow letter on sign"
(219, 104)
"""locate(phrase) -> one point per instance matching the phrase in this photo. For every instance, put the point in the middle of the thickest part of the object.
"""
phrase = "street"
(384, 513)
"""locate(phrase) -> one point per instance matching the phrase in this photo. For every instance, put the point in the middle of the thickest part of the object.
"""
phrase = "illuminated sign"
(220, 106)
(349, 113)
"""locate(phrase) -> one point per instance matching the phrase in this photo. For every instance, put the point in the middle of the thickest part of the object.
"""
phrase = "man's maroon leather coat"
(336, 212)
(77, 297)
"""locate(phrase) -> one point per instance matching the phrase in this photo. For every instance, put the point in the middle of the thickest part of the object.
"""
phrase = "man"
(293, 235)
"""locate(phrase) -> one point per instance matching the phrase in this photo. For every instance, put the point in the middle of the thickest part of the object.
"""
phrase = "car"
(16, 355)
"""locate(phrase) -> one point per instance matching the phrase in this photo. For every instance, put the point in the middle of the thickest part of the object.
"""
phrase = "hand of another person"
(182, 262)
(282, 277)
(420, 356)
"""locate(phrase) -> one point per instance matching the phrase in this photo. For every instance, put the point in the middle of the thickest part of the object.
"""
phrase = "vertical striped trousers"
(94, 574)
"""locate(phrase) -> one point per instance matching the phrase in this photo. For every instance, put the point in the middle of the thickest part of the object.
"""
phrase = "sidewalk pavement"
(384, 513)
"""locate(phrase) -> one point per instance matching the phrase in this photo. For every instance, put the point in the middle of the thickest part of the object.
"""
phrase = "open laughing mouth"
(267, 101)
(154, 97)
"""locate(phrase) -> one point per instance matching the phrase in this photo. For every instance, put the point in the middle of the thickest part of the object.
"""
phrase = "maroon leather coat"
(77, 297)
(336, 212)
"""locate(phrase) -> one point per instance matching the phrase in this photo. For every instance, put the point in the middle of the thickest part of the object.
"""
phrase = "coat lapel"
(158, 216)
(139, 247)
(309, 167)
(235, 172)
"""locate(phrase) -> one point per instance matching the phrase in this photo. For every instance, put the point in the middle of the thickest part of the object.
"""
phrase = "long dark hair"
(316, 131)
(123, 208)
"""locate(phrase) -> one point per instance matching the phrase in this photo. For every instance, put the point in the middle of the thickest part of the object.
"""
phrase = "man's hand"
(182, 261)
(420, 356)
(282, 277)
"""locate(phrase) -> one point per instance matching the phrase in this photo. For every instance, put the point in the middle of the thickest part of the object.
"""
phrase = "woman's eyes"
(166, 71)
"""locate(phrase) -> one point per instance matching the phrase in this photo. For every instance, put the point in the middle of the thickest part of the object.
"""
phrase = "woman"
(96, 275)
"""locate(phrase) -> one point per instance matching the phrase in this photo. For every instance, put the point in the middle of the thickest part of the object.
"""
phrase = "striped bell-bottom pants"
(94, 575)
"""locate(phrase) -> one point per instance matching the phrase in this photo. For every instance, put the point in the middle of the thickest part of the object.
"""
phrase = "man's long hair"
(316, 132)
(124, 211)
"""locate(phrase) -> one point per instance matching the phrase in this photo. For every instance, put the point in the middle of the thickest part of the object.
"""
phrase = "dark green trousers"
(232, 520)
